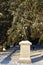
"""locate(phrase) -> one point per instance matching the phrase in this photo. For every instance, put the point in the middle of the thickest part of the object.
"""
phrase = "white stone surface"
(24, 58)
(25, 42)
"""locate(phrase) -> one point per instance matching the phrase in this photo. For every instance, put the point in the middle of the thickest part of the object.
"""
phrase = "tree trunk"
(1, 48)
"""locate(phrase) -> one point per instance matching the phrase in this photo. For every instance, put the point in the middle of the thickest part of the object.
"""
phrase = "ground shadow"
(8, 58)
(37, 59)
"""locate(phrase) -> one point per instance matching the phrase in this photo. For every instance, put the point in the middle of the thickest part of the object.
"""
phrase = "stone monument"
(25, 52)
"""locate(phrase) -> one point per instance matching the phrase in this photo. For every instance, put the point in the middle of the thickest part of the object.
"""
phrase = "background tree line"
(21, 20)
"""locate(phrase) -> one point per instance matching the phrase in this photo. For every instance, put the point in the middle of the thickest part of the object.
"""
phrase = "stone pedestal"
(25, 52)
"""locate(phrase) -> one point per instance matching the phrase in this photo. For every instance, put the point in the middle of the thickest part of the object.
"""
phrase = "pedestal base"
(25, 60)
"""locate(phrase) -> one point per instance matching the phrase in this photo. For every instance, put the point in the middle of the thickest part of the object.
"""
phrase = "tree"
(25, 19)
(26, 13)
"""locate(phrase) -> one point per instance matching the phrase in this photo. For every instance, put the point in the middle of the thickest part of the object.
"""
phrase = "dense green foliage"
(21, 20)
